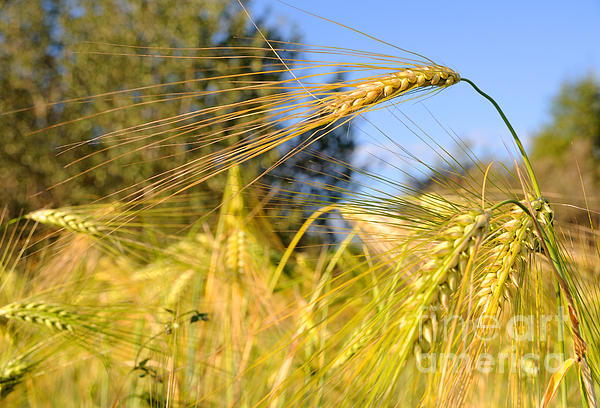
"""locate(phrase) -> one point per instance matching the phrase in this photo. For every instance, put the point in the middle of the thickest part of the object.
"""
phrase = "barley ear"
(65, 219)
(13, 373)
(373, 92)
(516, 239)
(451, 259)
(52, 316)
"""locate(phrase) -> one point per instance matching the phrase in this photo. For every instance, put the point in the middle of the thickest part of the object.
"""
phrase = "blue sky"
(519, 52)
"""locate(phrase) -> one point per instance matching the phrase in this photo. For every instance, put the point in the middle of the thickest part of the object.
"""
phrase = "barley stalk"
(391, 86)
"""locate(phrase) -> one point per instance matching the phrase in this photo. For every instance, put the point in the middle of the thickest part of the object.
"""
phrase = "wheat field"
(203, 285)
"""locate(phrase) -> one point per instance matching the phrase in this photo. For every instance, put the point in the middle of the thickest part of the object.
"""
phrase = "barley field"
(184, 221)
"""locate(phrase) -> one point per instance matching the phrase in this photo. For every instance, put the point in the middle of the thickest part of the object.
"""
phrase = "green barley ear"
(54, 317)
(85, 325)
(66, 219)
(13, 373)
(179, 287)
(516, 239)
(502, 265)
(16, 367)
(451, 260)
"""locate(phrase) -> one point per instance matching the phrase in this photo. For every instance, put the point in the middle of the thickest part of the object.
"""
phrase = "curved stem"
(510, 201)
(514, 135)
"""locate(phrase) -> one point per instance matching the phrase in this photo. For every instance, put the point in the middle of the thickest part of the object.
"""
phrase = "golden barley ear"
(379, 89)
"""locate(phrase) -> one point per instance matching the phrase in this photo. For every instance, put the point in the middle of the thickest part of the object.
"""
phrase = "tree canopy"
(566, 151)
(575, 116)
(65, 50)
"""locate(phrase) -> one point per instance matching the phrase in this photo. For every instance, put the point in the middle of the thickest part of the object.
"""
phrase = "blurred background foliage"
(566, 150)
(57, 50)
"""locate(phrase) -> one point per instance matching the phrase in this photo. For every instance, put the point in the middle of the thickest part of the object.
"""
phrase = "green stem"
(514, 135)
(561, 344)
(510, 201)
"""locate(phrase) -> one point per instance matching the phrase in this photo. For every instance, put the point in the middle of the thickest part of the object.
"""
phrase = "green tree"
(566, 151)
(575, 116)
(53, 50)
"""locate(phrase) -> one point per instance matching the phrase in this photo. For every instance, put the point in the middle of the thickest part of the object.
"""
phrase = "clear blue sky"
(520, 52)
